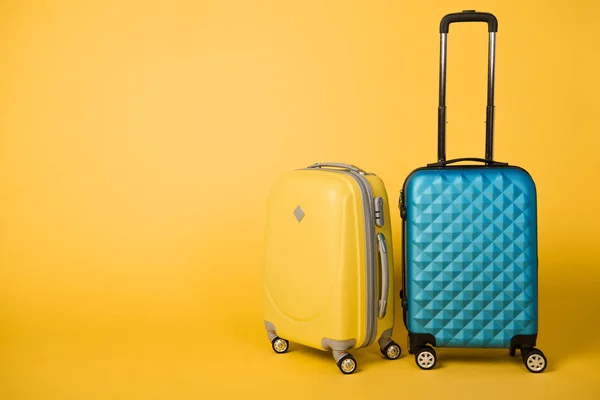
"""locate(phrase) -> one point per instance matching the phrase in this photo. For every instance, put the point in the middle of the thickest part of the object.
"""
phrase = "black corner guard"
(523, 341)
(418, 340)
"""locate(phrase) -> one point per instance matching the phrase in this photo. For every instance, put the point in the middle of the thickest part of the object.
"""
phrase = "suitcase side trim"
(371, 251)
(369, 211)
(337, 345)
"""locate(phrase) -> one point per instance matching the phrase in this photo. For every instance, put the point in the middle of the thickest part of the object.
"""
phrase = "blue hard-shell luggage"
(470, 256)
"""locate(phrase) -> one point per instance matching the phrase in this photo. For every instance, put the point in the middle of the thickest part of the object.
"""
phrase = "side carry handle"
(483, 160)
(337, 165)
(385, 275)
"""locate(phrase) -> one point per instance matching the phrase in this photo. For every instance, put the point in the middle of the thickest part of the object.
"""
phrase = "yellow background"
(139, 140)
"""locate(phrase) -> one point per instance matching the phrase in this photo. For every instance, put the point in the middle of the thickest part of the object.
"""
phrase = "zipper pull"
(401, 205)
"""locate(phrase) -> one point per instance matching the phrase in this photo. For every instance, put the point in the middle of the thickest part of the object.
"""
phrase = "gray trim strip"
(369, 211)
(386, 338)
(371, 251)
(271, 331)
(339, 345)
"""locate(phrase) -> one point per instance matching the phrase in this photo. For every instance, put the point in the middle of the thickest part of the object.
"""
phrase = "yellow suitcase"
(329, 272)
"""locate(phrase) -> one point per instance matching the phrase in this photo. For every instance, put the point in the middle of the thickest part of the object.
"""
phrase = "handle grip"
(483, 160)
(469, 16)
(385, 275)
(337, 165)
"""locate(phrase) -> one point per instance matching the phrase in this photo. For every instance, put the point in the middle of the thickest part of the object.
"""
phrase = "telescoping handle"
(467, 16)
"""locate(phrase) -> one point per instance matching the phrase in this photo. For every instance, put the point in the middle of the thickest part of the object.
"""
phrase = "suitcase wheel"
(535, 361)
(426, 358)
(280, 345)
(347, 364)
(392, 351)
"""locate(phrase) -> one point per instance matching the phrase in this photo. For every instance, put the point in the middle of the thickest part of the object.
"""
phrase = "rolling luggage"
(328, 275)
(470, 251)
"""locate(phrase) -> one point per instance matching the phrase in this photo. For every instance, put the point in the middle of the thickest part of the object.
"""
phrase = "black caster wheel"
(426, 358)
(512, 351)
(408, 347)
(391, 351)
(280, 345)
(347, 364)
(535, 361)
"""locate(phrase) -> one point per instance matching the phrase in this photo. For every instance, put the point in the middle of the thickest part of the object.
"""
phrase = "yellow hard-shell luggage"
(329, 274)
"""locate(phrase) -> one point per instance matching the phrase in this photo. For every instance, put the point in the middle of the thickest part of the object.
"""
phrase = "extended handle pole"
(442, 101)
(467, 16)
(489, 116)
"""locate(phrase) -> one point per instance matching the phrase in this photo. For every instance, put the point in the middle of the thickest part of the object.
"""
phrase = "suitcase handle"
(467, 16)
(483, 160)
(385, 275)
(337, 165)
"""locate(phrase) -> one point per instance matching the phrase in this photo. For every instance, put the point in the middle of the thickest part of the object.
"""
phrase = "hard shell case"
(328, 277)
(470, 248)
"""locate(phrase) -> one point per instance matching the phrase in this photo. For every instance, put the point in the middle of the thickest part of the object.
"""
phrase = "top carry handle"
(467, 16)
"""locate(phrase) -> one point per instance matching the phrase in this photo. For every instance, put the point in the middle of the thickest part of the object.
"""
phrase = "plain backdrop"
(139, 141)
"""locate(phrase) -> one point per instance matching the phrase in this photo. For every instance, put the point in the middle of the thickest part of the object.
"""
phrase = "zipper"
(369, 212)
(371, 251)
(401, 205)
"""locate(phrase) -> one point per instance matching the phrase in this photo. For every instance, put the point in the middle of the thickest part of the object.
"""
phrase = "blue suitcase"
(470, 257)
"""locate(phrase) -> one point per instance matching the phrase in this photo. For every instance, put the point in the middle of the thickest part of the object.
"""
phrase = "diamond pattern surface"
(471, 256)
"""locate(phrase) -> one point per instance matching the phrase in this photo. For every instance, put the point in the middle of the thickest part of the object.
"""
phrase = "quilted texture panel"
(471, 255)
